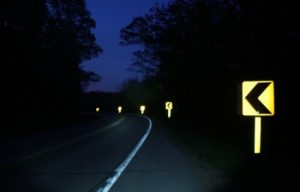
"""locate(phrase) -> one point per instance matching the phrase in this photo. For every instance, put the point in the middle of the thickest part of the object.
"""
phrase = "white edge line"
(118, 172)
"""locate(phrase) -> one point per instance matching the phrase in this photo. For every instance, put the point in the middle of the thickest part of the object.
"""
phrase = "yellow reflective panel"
(119, 109)
(257, 135)
(142, 109)
(258, 98)
(169, 105)
(267, 98)
(97, 109)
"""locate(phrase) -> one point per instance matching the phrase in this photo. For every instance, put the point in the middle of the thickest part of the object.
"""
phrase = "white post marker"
(169, 107)
(142, 109)
(119, 109)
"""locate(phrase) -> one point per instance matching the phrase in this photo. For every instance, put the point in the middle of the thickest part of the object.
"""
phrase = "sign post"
(258, 101)
(257, 134)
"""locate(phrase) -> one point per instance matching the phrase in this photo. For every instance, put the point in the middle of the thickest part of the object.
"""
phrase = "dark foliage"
(200, 50)
(43, 43)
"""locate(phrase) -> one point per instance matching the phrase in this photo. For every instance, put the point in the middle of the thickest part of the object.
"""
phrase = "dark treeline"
(196, 52)
(106, 101)
(43, 43)
(149, 92)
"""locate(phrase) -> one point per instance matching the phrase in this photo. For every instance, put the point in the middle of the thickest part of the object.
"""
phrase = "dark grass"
(228, 147)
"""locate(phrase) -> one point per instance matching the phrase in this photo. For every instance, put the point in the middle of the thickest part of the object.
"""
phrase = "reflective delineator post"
(119, 109)
(169, 107)
(142, 109)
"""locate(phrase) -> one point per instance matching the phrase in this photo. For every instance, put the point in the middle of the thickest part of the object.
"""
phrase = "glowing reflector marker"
(257, 135)
(97, 109)
(119, 109)
(169, 107)
(142, 109)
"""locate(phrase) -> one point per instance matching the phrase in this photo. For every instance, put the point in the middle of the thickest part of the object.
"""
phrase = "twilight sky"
(111, 16)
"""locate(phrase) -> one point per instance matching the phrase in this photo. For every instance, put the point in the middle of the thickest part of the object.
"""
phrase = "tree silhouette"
(182, 37)
(43, 43)
(201, 49)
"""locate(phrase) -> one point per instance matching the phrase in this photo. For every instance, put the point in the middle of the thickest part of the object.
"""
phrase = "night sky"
(111, 16)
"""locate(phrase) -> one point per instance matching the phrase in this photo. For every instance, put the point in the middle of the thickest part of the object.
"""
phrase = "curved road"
(92, 157)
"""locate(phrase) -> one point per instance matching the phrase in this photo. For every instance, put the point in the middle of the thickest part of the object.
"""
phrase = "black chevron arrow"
(252, 98)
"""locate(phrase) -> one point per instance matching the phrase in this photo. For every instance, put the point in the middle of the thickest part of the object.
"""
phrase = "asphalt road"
(94, 157)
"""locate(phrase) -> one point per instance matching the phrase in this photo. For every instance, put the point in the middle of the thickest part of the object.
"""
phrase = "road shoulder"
(164, 165)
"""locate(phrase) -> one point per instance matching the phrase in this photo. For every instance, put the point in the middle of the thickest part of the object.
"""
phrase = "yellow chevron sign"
(258, 98)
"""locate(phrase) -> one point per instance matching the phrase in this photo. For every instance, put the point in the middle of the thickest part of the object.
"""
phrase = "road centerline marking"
(63, 144)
